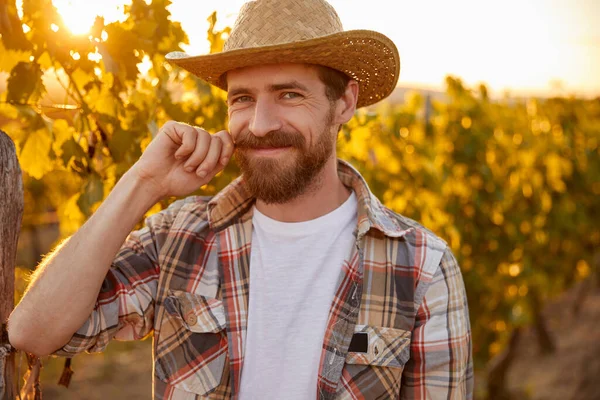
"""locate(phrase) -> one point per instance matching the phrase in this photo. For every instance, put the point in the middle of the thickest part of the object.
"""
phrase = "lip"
(270, 151)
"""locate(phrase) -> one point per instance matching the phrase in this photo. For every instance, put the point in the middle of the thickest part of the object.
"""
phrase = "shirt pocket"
(191, 348)
(376, 372)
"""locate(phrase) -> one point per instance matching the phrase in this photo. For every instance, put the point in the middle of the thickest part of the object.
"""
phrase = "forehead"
(264, 75)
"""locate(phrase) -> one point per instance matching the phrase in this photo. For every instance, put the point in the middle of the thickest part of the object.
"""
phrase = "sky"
(524, 47)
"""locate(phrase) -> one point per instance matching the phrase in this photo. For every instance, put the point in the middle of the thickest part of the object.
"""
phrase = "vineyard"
(512, 185)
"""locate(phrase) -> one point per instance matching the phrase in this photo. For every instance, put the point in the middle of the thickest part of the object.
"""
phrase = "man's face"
(283, 126)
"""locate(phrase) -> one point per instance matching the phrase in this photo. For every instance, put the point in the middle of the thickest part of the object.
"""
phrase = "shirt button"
(191, 319)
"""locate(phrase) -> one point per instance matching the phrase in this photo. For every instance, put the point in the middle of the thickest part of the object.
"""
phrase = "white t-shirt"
(294, 270)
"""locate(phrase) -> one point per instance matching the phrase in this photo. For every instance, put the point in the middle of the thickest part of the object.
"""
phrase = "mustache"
(247, 140)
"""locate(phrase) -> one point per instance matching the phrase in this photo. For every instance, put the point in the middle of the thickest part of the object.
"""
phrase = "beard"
(279, 179)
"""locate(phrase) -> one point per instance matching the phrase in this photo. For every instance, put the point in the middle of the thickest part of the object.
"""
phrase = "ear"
(346, 105)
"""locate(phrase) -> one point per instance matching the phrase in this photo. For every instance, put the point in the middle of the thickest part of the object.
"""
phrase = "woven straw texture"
(300, 31)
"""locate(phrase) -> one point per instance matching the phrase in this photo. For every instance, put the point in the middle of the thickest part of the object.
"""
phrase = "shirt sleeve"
(441, 361)
(124, 309)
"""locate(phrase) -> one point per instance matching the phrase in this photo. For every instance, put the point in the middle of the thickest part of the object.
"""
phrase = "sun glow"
(79, 15)
(519, 45)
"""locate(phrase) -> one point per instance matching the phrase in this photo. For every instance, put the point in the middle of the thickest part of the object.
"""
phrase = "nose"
(264, 120)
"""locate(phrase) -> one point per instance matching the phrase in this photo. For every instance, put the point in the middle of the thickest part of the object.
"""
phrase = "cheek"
(237, 123)
(299, 121)
(310, 129)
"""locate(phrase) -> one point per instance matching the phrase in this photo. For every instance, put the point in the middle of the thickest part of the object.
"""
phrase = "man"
(294, 282)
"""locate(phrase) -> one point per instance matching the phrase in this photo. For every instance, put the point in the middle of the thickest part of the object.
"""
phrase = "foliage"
(74, 152)
(511, 185)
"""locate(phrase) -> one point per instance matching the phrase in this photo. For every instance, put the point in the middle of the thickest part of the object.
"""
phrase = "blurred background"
(491, 139)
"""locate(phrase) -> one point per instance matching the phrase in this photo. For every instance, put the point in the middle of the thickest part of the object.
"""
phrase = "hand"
(182, 158)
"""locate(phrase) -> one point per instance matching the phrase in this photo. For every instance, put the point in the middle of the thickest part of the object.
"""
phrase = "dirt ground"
(572, 373)
(124, 371)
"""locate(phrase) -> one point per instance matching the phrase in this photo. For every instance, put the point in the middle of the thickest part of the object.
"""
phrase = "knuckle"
(210, 160)
(224, 135)
(208, 165)
(203, 136)
(227, 140)
(190, 136)
(171, 125)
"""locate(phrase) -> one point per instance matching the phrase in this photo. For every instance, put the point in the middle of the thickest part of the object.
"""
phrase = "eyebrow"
(272, 88)
(287, 85)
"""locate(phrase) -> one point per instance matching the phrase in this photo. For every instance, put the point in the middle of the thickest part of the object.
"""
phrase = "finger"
(188, 136)
(169, 130)
(212, 157)
(200, 149)
(228, 146)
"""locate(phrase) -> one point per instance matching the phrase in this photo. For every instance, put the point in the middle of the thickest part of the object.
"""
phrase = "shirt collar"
(235, 200)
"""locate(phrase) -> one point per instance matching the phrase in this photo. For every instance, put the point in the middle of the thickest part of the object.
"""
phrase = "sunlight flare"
(79, 15)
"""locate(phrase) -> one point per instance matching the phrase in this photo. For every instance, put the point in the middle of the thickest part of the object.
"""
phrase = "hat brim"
(369, 57)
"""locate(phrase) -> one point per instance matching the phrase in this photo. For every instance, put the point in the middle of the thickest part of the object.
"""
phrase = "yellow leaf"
(153, 210)
(61, 132)
(583, 269)
(145, 142)
(497, 218)
(108, 80)
(35, 158)
(71, 217)
(45, 61)
(10, 58)
(546, 201)
(9, 111)
(81, 78)
(106, 104)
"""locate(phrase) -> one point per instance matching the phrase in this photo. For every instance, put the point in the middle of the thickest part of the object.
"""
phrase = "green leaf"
(120, 144)
(93, 192)
(11, 31)
(72, 152)
(35, 157)
(24, 82)
(118, 52)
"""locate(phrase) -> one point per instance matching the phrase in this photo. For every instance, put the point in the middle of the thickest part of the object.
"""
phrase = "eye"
(241, 99)
(291, 95)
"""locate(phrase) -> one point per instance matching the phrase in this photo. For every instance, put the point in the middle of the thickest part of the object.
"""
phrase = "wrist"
(147, 191)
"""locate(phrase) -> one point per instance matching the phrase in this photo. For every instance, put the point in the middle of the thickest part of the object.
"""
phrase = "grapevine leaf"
(120, 144)
(24, 82)
(34, 157)
(10, 58)
(93, 192)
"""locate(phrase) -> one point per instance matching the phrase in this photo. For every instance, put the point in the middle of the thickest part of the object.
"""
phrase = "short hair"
(335, 82)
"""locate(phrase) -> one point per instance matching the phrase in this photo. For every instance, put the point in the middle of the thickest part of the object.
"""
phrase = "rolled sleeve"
(124, 308)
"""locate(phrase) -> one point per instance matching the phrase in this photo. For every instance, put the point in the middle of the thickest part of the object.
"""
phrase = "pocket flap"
(199, 314)
(387, 347)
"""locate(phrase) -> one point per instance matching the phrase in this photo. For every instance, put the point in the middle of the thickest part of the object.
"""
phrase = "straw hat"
(300, 31)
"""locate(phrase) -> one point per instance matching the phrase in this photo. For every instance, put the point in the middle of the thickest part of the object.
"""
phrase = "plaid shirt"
(184, 277)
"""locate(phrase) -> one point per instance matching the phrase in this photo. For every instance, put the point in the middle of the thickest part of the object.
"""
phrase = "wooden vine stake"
(11, 211)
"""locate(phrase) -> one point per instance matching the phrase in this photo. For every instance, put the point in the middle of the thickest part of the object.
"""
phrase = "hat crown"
(271, 22)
